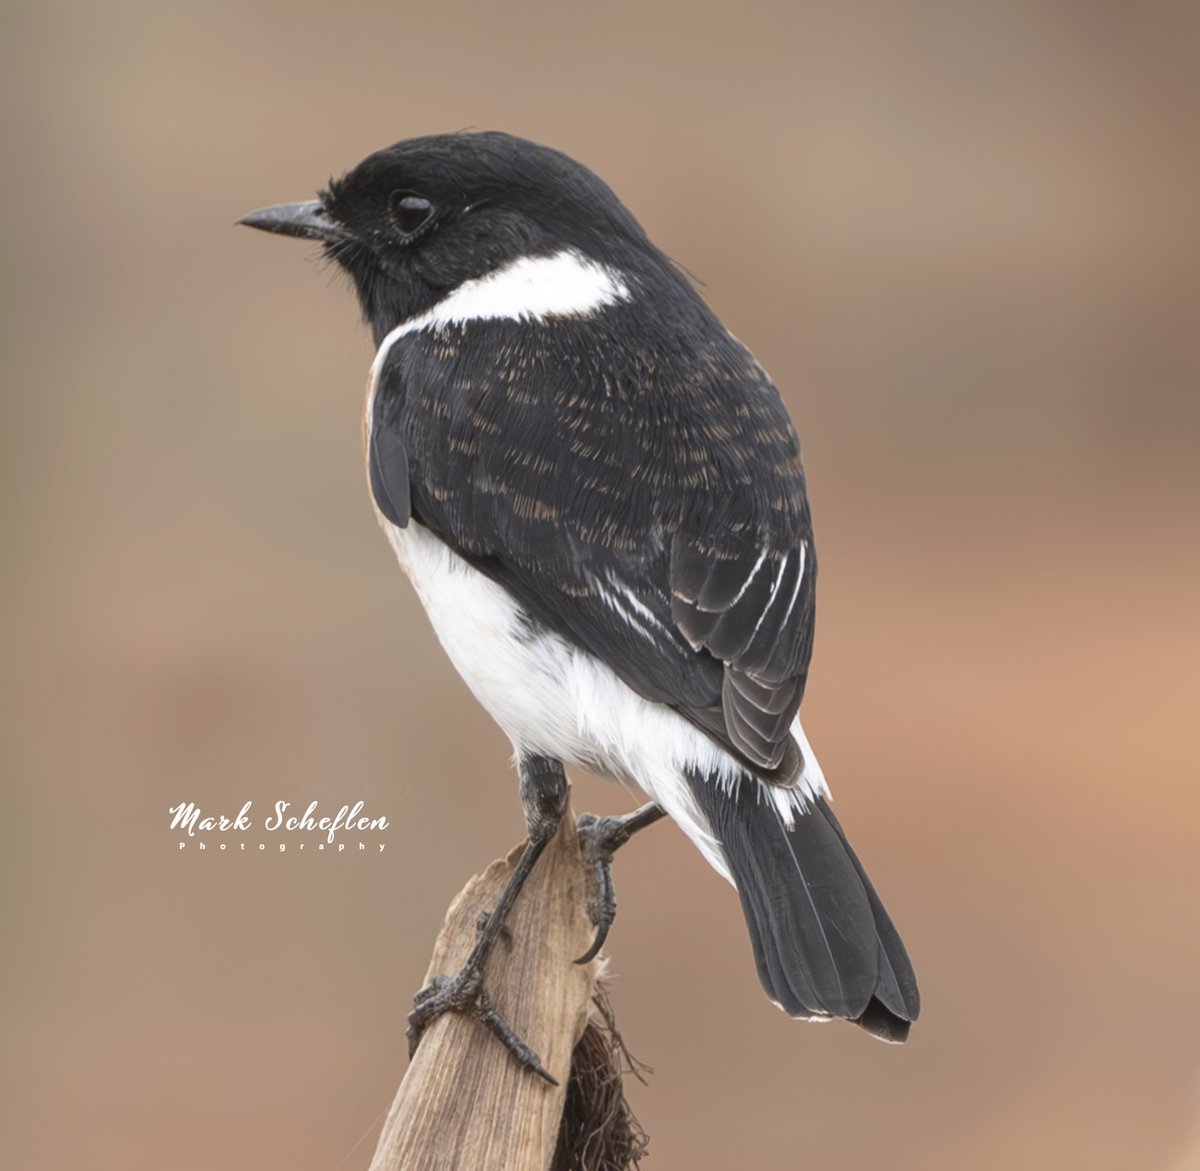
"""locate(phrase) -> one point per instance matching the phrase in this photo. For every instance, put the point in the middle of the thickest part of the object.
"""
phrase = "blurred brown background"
(963, 239)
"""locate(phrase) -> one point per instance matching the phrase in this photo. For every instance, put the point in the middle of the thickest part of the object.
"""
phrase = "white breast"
(554, 698)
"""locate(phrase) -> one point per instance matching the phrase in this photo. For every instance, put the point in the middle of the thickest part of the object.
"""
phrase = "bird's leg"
(544, 799)
(600, 838)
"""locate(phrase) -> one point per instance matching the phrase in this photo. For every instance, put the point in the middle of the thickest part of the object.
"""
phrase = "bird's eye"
(410, 211)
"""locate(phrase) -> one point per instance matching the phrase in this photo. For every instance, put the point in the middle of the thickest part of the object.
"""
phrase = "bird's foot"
(464, 993)
(600, 838)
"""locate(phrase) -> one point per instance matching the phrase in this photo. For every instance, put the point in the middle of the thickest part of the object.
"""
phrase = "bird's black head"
(414, 221)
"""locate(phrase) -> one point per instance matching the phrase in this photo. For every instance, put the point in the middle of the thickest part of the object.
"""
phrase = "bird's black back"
(621, 475)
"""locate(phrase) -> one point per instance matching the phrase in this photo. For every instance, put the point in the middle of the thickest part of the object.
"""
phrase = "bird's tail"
(824, 945)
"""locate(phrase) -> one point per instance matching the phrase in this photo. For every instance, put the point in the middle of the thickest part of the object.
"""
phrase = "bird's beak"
(308, 220)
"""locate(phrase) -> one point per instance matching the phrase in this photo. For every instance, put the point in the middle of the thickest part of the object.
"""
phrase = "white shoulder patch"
(530, 288)
(567, 284)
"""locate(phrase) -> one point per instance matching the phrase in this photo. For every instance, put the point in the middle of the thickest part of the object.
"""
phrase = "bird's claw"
(464, 994)
(600, 838)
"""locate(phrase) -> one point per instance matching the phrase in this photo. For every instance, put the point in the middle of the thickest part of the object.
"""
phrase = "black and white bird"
(597, 494)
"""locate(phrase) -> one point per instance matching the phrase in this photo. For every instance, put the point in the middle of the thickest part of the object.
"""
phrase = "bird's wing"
(651, 512)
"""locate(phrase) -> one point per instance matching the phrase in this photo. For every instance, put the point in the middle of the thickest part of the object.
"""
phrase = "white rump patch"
(810, 784)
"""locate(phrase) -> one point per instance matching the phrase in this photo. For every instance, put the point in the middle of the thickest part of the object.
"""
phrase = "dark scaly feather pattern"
(621, 475)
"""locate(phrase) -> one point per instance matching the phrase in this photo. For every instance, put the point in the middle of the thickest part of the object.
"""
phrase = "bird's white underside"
(547, 695)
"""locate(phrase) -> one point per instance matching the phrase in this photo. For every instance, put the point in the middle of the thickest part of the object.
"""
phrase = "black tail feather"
(823, 943)
(897, 994)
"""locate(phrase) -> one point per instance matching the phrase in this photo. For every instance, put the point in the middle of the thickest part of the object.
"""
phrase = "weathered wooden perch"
(464, 1102)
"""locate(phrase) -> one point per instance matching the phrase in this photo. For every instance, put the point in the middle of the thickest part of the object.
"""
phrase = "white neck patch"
(530, 288)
